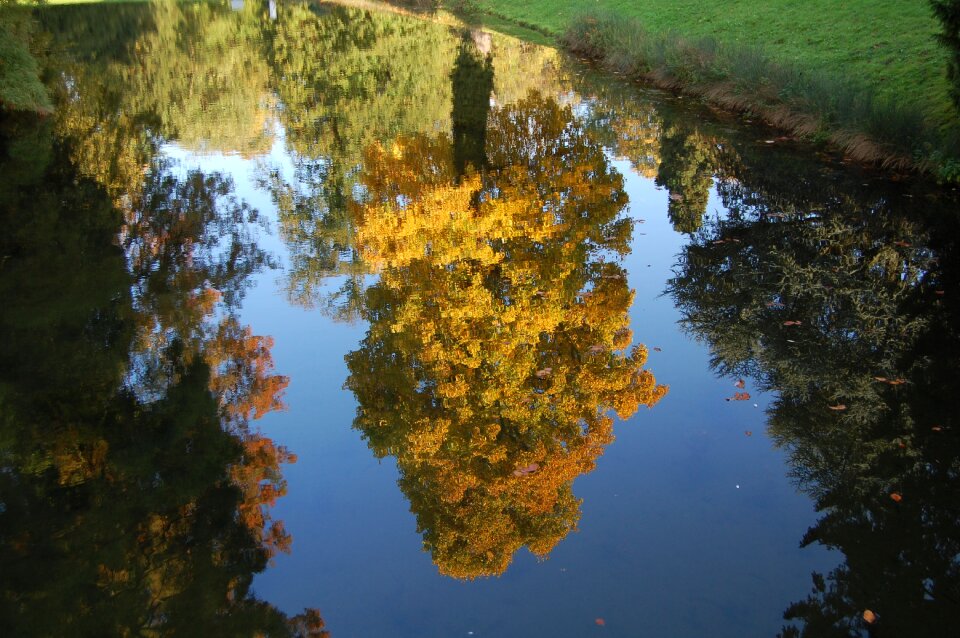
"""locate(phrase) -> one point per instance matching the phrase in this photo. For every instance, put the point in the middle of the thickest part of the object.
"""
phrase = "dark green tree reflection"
(134, 495)
(686, 170)
(472, 81)
(841, 302)
(497, 328)
(673, 147)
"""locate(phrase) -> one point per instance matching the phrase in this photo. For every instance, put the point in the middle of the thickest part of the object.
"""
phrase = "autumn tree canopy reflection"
(136, 495)
(498, 328)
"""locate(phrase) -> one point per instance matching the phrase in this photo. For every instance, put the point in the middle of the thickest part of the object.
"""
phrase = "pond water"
(430, 331)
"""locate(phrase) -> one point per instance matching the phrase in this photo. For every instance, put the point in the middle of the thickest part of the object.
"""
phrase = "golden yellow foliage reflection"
(499, 337)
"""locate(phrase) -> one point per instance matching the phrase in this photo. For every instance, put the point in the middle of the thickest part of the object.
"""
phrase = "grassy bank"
(866, 74)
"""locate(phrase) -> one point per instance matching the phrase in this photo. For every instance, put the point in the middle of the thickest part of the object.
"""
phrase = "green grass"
(867, 76)
(66, 2)
(888, 45)
(90, 1)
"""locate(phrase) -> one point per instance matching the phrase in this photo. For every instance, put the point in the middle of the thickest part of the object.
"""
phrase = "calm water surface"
(320, 318)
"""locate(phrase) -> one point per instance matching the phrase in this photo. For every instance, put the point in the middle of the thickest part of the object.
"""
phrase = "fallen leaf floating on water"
(543, 374)
(890, 381)
(740, 396)
(525, 471)
(896, 497)
(838, 407)
(869, 616)
(600, 622)
(792, 323)
(740, 384)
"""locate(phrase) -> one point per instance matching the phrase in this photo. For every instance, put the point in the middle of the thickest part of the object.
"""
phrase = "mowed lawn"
(889, 45)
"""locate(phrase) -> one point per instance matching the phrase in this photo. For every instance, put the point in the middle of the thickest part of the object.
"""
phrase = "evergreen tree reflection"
(841, 303)
(472, 81)
(686, 171)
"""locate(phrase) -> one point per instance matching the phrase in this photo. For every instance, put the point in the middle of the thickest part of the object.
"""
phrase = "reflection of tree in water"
(686, 171)
(135, 495)
(133, 76)
(631, 128)
(472, 81)
(347, 78)
(660, 144)
(497, 326)
(350, 78)
(845, 309)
